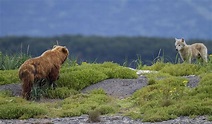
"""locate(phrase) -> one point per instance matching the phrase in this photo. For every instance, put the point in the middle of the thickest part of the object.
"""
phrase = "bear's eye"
(178, 45)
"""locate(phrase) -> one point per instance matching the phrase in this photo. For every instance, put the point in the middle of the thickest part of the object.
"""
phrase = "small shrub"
(8, 77)
(134, 115)
(121, 72)
(94, 116)
(16, 111)
(157, 115)
(99, 98)
(166, 102)
(106, 109)
(183, 69)
(157, 66)
(60, 92)
(151, 82)
(71, 113)
(209, 118)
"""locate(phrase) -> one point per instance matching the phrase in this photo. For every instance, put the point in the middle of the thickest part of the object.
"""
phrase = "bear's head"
(62, 52)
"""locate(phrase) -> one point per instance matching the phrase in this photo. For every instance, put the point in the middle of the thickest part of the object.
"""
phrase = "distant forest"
(120, 49)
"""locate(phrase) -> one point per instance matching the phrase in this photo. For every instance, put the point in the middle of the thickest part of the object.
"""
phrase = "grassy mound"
(79, 77)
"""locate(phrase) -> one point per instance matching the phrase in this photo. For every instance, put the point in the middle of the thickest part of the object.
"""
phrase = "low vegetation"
(165, 97)
(169, 97)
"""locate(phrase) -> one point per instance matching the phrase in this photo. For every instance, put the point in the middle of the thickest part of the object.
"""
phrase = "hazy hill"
(161, 18)
(100, 49)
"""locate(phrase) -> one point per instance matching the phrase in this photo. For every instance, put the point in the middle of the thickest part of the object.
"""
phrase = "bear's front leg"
(53, 76)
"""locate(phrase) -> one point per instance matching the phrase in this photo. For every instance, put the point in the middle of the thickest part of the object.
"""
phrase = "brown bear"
(47, 67)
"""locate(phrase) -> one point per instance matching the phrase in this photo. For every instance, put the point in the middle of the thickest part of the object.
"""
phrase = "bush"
(157, 66)
(79, 77)
(106, 109)
(183, 69)
(18, 111)
(71, 113)
(83, 104)
(60, 93)
(8, 77)
(157, 115)
(94, 116)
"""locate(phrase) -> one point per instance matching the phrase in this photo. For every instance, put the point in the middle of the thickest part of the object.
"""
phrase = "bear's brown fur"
(47, 66)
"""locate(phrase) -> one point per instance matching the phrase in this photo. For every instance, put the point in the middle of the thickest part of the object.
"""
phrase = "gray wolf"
(190, 52)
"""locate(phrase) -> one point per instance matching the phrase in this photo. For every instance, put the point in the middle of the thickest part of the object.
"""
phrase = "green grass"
(75, 105)
(14, 107)
(165, 97)
(8, 77)
(79, 77)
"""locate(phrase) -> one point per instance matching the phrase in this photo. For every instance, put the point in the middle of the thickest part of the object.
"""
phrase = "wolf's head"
(179, 44)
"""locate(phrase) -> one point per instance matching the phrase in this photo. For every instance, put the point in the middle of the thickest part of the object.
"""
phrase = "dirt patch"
(15, 89)
(193, 81)
(119, 88)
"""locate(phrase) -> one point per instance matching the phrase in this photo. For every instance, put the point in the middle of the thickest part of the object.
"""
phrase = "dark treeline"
(99, 49)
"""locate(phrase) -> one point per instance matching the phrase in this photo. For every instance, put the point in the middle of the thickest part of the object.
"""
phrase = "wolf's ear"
(183, 40)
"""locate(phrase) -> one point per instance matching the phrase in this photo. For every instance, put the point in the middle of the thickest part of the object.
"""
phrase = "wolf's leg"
(204, 54)
(189, 60)
(205, 58)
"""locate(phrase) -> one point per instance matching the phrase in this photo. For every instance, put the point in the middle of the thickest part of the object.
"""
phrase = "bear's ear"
(183, 40)
(54, 46)
(64, 50)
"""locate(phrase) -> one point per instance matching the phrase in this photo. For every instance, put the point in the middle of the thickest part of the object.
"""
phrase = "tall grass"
(10, 62)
